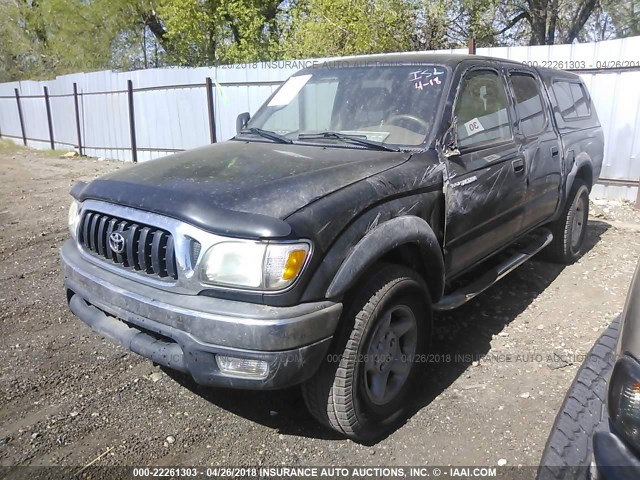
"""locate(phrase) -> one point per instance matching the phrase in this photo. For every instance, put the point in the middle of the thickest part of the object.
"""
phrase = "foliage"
(7, 146)
(320, 28)
(42, 38)
(205, 32)
(620, 18)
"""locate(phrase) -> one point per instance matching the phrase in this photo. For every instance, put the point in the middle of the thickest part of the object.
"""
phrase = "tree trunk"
(538, 21)
(551, 29)
(583, 14)
(155, 26)
(144, 46)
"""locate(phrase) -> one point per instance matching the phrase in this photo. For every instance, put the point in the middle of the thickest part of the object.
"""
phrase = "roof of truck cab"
(550, 73)
(450, 59)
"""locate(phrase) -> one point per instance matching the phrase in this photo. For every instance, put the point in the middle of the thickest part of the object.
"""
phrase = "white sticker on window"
(375, 136)
(491, 158)
(288, 91)
(473, 126)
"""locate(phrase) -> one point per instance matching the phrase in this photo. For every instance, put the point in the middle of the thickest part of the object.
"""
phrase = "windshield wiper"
(362, 140)
(276, 137)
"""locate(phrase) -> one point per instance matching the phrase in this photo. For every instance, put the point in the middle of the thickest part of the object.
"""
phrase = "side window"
(529, 104)
(579, 99)
(481, 110)
(572, 99)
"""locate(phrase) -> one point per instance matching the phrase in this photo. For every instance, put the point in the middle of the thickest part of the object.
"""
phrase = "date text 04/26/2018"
(582, 64)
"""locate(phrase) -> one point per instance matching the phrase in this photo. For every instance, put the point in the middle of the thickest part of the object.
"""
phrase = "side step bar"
(540, 240)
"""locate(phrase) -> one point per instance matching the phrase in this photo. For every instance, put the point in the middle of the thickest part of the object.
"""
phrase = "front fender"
(381, 240)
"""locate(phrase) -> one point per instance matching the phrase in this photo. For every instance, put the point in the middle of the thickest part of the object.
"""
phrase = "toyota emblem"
(116, 242)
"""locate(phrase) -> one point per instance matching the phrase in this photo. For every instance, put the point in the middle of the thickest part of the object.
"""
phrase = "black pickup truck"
(313, 247)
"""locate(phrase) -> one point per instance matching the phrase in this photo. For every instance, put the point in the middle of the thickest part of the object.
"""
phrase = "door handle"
(554, 151)
(518, 165)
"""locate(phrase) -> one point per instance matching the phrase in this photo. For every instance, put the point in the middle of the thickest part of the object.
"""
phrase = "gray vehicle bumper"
(613, 459)
(186, 332)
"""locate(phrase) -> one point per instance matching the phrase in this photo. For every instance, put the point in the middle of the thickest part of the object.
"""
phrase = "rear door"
(486, 186)
(538, 139)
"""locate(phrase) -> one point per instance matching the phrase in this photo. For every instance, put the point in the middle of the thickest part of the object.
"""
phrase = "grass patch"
(7, 146)
(53, 153)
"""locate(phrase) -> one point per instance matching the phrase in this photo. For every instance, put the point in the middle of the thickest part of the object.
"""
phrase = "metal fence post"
(77, 108)
(48, 105)
(24, 135)
(132, 122)
(212, 115)
(471, 44)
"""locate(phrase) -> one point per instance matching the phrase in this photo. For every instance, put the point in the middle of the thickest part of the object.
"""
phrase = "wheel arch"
(585, 173)
(406, 240)
(582, 170)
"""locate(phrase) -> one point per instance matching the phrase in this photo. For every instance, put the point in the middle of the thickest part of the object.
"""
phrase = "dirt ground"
(500, 369)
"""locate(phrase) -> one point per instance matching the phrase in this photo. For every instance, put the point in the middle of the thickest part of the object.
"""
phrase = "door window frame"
(545, 127)
(585, 95)
(509, 105)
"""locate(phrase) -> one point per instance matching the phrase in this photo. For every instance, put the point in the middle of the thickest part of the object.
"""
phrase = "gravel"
(499, 369)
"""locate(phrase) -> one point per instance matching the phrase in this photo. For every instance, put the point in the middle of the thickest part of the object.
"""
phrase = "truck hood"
(238, 188)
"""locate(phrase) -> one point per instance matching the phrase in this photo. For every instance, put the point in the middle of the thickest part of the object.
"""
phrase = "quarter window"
(579, 100)
(481, 110)
(528, 104)
(572, 99)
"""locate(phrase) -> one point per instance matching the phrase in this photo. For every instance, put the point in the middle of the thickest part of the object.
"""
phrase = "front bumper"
(186, 332)
(613, 458)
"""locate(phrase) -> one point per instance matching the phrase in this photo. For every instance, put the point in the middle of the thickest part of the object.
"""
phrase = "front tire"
(570, 230)
(362, 387)
(569, 449)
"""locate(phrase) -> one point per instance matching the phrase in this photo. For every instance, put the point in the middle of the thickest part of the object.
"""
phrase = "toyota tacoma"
(313, 247)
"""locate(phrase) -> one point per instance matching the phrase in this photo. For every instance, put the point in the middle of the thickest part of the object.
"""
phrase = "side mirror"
(242, 120)
(450, 140)
(450, 150)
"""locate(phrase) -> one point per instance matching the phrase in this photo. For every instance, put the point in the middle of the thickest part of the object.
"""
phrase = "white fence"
(171, 106)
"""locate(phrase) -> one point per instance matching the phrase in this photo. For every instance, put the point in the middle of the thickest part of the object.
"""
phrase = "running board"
(540, 240)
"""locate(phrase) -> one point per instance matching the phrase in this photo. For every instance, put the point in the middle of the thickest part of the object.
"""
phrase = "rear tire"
(362, 387)
(570, 230)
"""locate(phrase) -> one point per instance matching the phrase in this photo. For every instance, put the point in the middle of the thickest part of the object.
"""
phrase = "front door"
(485, 192)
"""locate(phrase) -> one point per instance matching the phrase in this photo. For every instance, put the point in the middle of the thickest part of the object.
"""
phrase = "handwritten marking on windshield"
(426, 78)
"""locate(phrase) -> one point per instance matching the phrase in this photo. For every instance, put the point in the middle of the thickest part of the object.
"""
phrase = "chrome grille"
(147, 249)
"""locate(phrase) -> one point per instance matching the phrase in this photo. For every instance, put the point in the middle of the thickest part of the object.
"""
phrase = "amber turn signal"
(294, 263)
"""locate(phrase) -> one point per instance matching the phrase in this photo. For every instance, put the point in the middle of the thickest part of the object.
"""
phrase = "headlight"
(254, 265)
(624, 399)
(74, 217)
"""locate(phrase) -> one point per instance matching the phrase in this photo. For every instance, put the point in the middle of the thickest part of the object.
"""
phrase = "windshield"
(391, 105)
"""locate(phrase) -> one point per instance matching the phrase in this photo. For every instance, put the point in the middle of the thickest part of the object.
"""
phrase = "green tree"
(318, 28)
(50, 37)
(206, 32)
(23, 40)
(623, 16)
(44, 38)
(546, 22)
